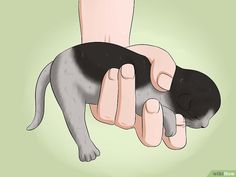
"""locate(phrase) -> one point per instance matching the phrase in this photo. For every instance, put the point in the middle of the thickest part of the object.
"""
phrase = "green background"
(198, 34)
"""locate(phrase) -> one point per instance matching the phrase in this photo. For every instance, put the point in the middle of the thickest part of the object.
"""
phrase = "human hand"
(117, 106)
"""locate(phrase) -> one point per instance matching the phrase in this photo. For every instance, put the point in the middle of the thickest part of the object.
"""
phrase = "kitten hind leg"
(73, 107)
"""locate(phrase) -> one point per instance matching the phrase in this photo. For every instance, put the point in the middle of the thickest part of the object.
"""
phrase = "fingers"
(106, 110)
(162, 71)
(125, 116)
(178, 141)
(117, 100)
(149, 127)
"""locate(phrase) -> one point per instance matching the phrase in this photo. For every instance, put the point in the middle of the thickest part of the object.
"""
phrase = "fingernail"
(112, 74)
(180, 121)
(152, 106)
(127, 71)
(164, 81)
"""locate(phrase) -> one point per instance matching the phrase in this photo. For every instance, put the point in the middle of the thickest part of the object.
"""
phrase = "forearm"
(106, 20)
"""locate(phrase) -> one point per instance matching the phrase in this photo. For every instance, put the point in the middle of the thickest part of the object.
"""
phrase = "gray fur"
(43, 80)
(73, 90)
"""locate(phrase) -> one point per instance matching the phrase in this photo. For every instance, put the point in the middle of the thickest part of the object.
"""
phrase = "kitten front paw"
(88, 152)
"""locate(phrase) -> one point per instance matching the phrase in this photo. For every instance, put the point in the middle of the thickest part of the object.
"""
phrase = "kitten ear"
(184, 101)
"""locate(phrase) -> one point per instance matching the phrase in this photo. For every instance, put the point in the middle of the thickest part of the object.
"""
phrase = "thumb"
(162, 71)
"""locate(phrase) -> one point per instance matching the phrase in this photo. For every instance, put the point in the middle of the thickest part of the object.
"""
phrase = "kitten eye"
(184, 101)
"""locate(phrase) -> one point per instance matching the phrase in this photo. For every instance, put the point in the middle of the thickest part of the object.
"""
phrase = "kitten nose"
(204, 125)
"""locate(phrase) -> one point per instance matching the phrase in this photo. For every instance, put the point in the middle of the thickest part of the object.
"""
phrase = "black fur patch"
(192, 93)
(96, 58)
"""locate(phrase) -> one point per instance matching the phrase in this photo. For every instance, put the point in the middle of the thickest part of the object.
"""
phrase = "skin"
(117, 91)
